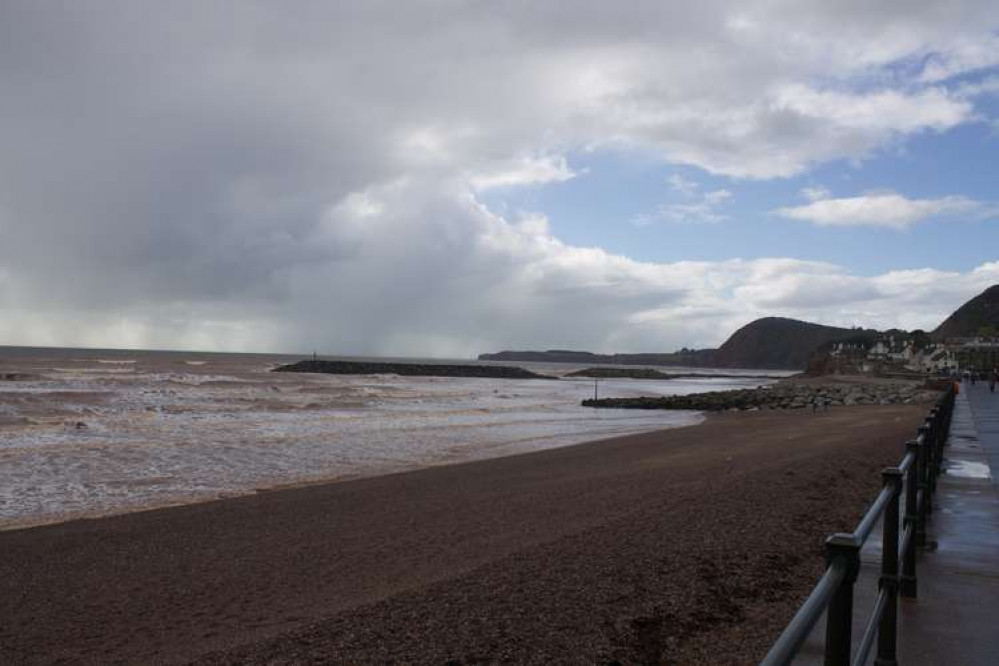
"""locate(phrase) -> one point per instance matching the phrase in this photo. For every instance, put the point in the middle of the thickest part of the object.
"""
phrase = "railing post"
(921, 485)
(933, 422)
(888, 627)
(940, 436)
(942, 414)
(951, 397)
(839, 615)
(907, 585)
(929, 432)
(947, 411)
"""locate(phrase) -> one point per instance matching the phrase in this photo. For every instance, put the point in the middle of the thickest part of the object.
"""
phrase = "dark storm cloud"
(253, 175)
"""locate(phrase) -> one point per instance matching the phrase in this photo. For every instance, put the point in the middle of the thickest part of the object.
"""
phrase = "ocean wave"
(178, 435)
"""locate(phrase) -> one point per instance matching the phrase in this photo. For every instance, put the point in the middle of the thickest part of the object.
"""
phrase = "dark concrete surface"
(955, 619)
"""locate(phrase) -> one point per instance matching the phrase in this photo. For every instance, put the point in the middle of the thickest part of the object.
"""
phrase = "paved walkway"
(955, 618)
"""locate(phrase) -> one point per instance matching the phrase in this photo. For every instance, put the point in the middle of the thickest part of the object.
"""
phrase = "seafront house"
(900, 353)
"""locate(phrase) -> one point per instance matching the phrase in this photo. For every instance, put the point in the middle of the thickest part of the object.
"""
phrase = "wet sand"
(689, 546)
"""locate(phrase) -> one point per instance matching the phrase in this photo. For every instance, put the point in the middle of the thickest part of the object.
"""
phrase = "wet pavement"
(954, 619)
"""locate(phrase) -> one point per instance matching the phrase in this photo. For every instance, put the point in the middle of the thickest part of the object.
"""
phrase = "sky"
(450, 177)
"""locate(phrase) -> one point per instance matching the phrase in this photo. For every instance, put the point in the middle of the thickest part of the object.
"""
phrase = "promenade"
(953, 621)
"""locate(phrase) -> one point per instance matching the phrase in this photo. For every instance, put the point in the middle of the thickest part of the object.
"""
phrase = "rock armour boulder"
(779, 396)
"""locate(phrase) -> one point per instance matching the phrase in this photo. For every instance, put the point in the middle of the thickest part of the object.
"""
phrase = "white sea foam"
(99, 441)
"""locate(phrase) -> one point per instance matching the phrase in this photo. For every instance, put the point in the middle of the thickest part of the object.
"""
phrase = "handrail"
(833, 593)
(870, 519)
(871, 630)
(907, 462)
(903, 545)
(801, 624)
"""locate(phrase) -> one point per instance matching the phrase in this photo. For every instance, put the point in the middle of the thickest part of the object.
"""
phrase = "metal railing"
(833, 594)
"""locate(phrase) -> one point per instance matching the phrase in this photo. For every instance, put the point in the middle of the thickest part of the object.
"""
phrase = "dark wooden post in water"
(888, 627)
(842, 550)
(908, 583)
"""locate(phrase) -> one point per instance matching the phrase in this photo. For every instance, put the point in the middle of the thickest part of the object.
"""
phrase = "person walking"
(992, 379)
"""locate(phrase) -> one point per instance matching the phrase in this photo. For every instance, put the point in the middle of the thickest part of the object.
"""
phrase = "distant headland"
(967, 338)
(774, 343)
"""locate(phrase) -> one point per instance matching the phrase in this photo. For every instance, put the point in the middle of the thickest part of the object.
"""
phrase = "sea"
(87, 432)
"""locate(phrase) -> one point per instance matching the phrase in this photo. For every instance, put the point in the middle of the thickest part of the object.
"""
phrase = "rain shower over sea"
(94, 432)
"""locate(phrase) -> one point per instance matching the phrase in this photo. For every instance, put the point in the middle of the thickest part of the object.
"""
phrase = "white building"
(933, 358)
(892, 350)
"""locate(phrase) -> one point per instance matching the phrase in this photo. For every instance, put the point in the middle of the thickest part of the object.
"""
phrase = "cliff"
(979, 316)
(777, 342)
(767, 343)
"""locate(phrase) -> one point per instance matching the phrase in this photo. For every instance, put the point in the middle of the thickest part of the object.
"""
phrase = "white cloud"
(717, 197)
(682, 185)
(889, 210)
(526, 171)
(815, 193)
(247, 177)
(464, 280)
(981, 87)
(892, 111)
(705, 209)
(967, 56)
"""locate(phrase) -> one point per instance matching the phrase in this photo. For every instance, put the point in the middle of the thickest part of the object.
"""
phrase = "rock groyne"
(649, 373)
(778, 396)
(411, 369)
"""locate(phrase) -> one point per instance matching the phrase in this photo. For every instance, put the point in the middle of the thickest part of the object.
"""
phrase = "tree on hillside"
(920, 339)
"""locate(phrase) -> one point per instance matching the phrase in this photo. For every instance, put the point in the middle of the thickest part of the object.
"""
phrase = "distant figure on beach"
(992, 379)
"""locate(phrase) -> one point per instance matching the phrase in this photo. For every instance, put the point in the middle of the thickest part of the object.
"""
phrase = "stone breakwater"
(779, 396)
(411, 369)
(649, 373)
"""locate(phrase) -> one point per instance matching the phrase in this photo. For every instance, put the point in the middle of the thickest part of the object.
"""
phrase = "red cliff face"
(777, 342)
